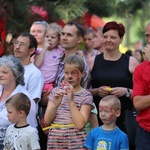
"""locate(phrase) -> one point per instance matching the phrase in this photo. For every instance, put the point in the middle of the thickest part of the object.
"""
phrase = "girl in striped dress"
(69, 108)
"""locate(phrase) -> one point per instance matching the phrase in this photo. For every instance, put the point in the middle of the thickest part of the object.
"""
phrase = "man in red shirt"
(141, 97)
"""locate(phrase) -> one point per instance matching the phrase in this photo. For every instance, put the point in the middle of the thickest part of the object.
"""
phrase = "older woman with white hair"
(11, 82)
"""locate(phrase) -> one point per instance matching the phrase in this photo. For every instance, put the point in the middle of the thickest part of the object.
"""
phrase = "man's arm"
(141, 102)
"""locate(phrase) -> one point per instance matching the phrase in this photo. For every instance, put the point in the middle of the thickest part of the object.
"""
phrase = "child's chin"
(105, 121)
(11, 122)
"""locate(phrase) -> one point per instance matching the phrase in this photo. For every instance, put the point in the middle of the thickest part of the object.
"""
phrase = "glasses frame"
(21, 44)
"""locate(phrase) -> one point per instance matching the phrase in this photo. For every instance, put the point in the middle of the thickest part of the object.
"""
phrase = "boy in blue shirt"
(108, 136)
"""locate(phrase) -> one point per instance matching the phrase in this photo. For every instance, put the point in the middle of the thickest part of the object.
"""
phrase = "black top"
(113, 74)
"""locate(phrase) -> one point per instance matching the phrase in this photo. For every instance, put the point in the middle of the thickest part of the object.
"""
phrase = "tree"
(133, 13)
(21, 13)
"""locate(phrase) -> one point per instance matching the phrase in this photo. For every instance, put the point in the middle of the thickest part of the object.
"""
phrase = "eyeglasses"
(21, 44)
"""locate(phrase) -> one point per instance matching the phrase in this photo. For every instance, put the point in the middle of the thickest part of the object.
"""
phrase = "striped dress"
(68, 137)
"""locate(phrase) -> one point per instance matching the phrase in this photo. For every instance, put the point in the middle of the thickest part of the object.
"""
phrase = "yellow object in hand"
(108, 89)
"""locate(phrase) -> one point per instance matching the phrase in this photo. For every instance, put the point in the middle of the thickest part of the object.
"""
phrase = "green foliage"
(129, 7)
(103, 8)
(121, 8)
(71, 10)
(20, 17)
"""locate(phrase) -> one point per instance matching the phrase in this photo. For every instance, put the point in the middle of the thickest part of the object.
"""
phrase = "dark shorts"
(142, 139)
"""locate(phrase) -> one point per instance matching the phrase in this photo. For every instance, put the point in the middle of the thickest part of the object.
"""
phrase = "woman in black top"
(112, 73)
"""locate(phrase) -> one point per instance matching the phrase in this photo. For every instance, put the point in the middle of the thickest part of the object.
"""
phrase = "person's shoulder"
(96, 52)
(10, 127)
(121, 133)
(22, 89)
(143, 65)
(60, 49)
(99, 55)
(38, 51)
(31, 68)
(86, 92)
(31, 129)
(28, 131)
(96, 130)
(133, 60)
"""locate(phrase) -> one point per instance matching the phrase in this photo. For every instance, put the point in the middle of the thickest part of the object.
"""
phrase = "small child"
(89, 52)
(69, 108)
(93, 121)
(48, 59)
(20, 135)
(108, 136)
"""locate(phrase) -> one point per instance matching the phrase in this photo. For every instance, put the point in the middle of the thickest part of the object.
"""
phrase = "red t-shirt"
(141, 86)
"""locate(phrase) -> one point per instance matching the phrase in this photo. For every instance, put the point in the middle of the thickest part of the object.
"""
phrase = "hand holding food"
(108, 89)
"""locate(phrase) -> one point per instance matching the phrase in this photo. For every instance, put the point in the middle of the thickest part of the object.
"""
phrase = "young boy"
(20, 135)
(108, 136)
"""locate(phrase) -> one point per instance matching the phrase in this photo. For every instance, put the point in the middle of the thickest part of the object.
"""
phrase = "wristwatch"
(128, 94)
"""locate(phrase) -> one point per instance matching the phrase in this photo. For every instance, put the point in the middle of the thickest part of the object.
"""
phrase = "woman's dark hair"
(113, 25)
(141, 53)
(128, 52)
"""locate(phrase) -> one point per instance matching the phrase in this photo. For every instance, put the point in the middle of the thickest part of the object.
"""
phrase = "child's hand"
(46, 45)
(58, 96)
(68, 90)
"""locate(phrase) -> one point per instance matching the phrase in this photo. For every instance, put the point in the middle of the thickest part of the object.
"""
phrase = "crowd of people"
(55, 96)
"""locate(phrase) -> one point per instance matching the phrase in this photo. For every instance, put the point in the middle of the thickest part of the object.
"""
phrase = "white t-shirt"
(33, 81)
(21, 138)
(31, 118)
(4, 122)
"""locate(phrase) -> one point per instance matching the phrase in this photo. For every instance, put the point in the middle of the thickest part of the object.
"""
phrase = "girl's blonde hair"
(54, 26)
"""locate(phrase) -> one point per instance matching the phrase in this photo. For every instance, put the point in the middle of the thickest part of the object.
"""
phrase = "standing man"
(72, 35)
(24, 48)
(141, 97)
